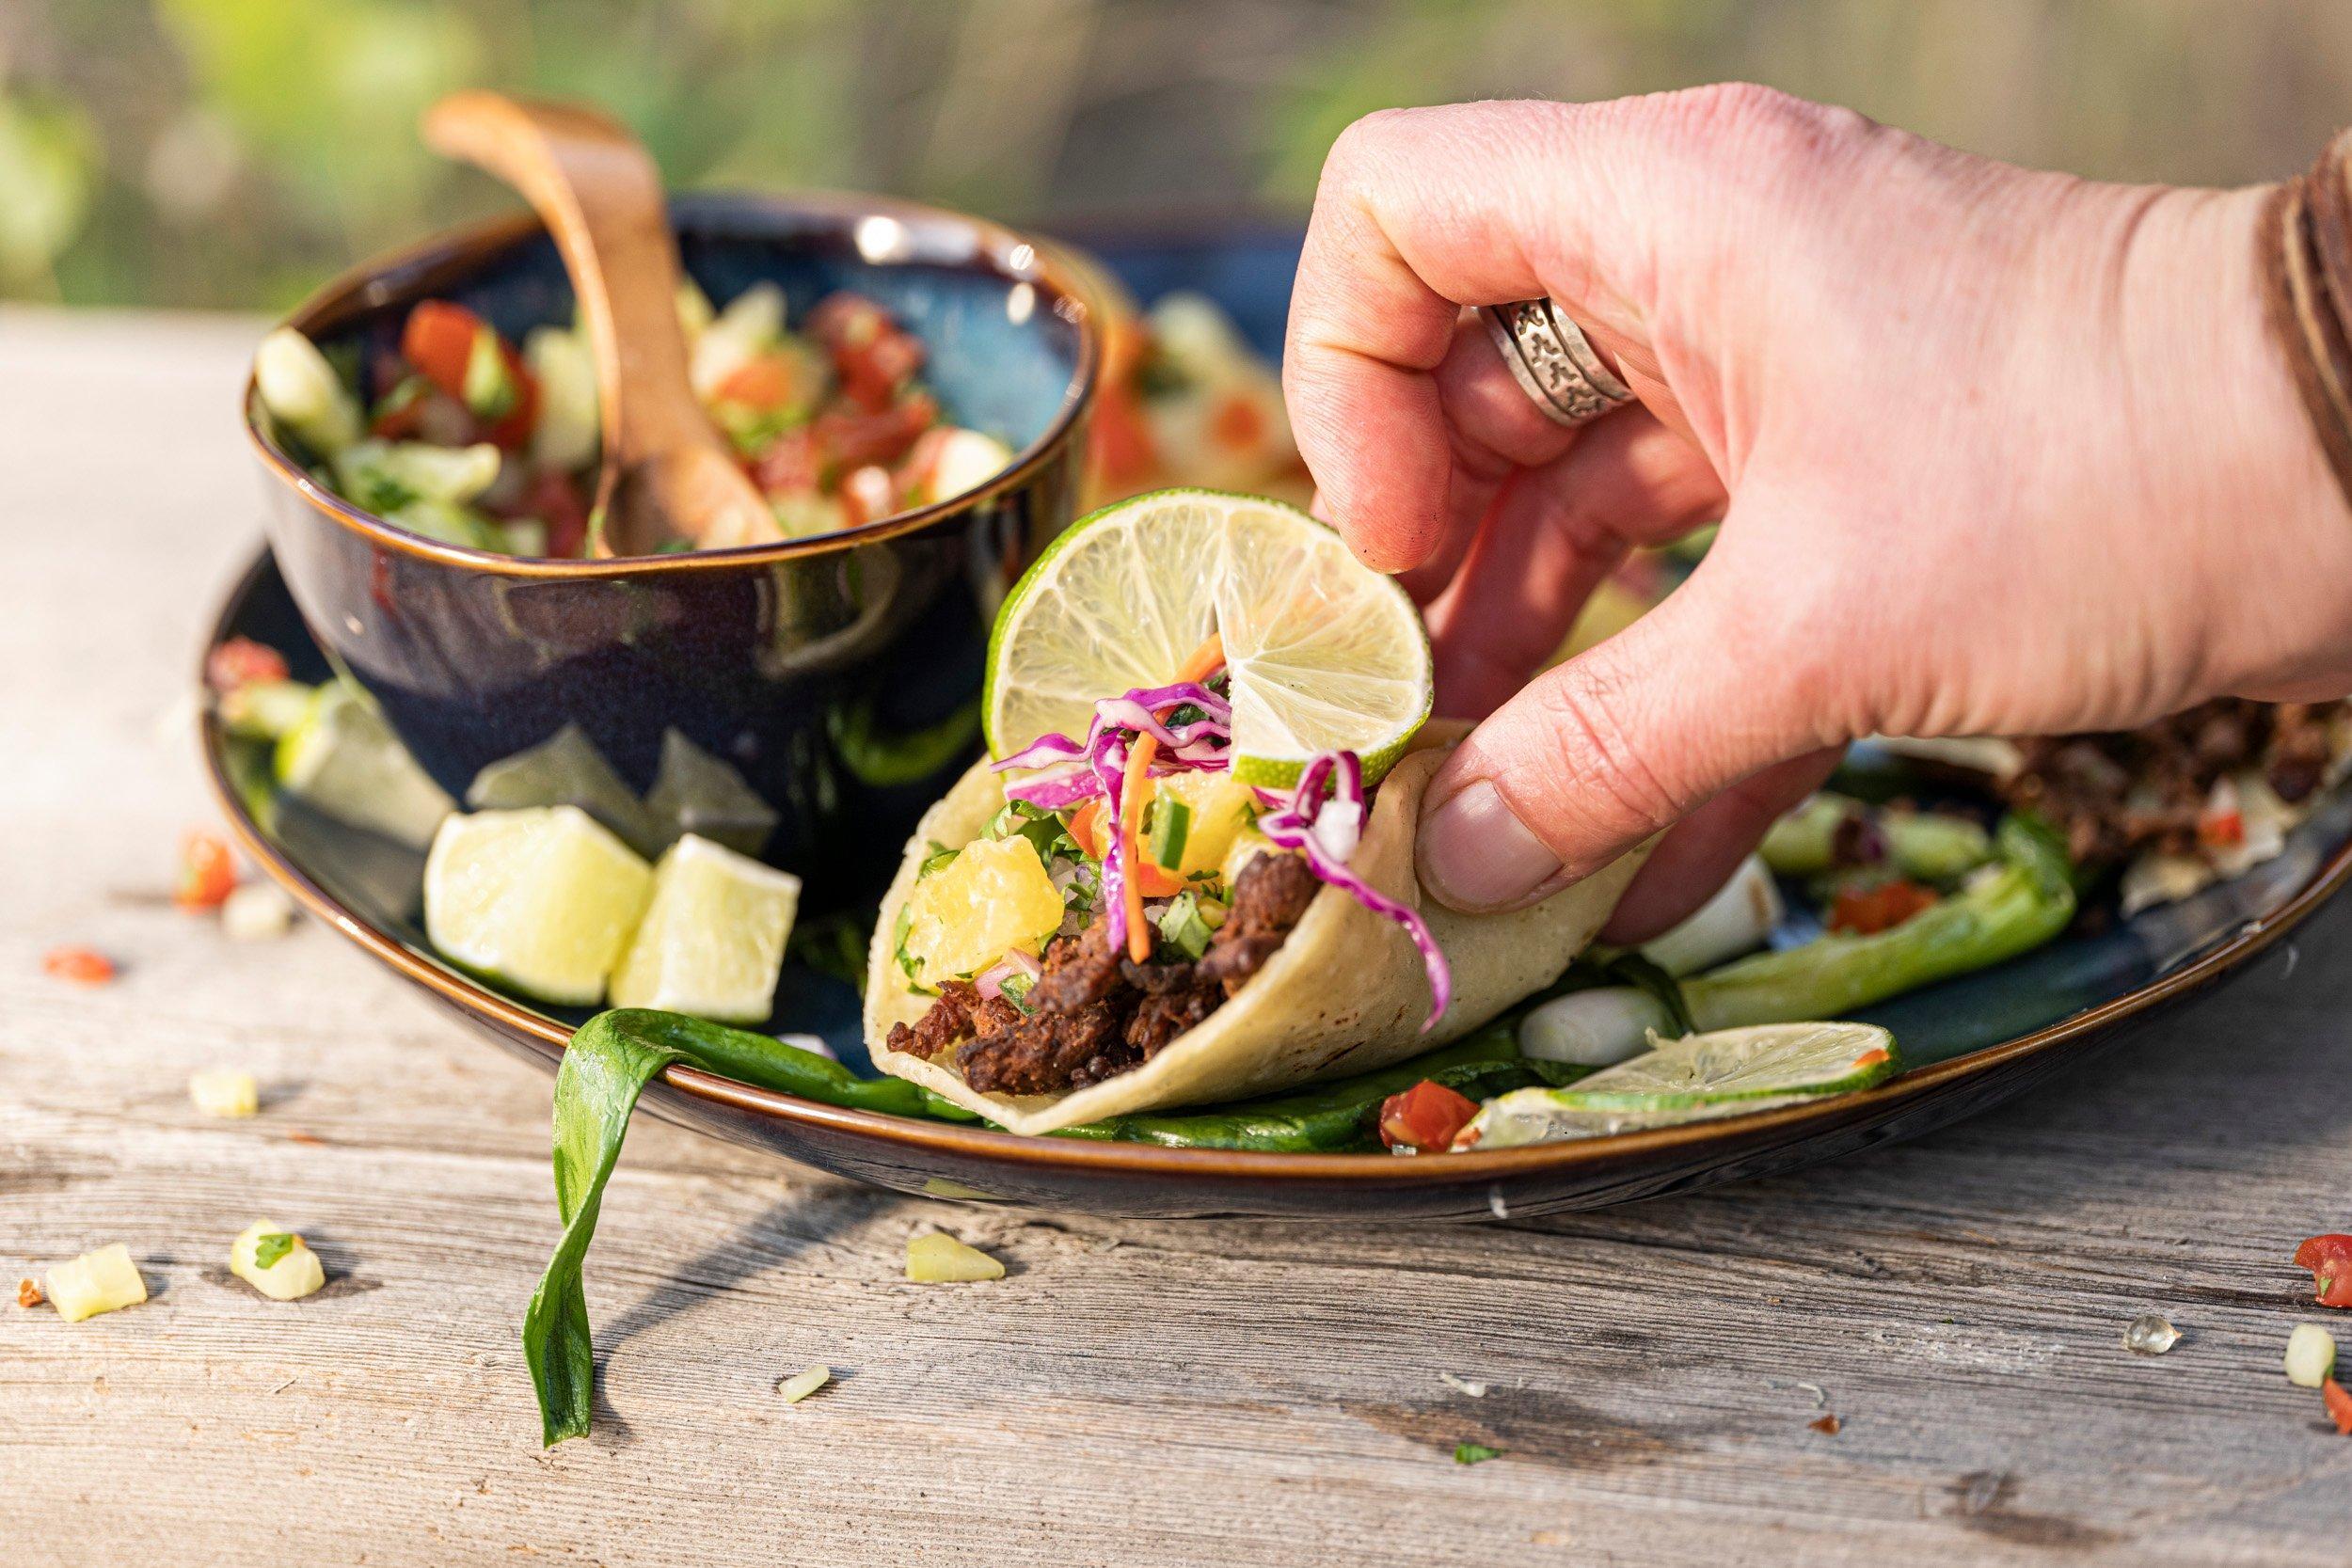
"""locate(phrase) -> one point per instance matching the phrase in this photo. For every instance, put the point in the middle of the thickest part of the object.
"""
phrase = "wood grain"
(1132, 1393)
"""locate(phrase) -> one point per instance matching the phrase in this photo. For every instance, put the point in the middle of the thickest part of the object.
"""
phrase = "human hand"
(1995, 452)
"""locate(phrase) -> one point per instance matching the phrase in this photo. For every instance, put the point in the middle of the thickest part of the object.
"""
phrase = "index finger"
(1418, 213)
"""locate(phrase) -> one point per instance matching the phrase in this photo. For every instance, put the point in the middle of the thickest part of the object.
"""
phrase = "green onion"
(1172, 824)
(1015, 990)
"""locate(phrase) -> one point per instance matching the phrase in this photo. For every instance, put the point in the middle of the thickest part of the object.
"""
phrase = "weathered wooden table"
(1658, 1378)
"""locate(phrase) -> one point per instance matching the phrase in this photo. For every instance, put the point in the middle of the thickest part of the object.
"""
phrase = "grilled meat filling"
(1093, 1013)
(2118, 794)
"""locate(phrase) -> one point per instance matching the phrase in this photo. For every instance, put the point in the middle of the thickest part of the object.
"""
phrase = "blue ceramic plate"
(1972, 1040)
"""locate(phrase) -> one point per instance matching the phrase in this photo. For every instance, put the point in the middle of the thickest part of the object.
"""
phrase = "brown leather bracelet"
(2307, 319)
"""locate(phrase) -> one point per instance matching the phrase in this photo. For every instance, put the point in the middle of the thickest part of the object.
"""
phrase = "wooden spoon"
(666, 473)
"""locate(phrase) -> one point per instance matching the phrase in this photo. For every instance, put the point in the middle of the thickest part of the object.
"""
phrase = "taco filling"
(1130, 886)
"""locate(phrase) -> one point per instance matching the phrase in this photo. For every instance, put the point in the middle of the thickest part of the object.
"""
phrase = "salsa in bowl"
(823, 681)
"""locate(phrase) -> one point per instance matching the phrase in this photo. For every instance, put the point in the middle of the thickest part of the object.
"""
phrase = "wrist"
(2229, 453)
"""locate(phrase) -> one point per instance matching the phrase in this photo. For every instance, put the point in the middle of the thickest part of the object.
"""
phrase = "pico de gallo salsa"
(465, 437)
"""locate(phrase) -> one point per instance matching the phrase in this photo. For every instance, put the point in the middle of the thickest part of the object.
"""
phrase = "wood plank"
(1132, 1393)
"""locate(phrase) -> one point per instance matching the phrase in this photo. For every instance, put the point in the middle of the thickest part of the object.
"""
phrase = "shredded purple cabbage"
(1322, 817)
(1308, 822)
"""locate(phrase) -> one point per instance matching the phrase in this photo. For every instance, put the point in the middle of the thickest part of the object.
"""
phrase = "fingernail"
(1475, 854)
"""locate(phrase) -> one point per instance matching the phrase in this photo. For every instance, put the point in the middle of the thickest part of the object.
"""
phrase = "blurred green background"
(235, 153)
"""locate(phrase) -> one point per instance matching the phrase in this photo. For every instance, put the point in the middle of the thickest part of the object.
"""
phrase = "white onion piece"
(1594, 1028)
(1737, 920)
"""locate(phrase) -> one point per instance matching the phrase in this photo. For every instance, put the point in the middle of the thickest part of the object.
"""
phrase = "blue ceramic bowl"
(835, 677)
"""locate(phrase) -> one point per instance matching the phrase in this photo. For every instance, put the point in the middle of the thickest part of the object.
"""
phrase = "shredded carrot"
(1137, 786)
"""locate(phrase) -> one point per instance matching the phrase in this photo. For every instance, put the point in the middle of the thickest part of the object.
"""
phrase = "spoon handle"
(666, 473)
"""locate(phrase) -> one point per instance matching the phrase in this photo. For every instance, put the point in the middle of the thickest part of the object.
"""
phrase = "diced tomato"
(868, 493)
(789, 467)
(1085, 832)
(241, 661)
(1238, 425)
(554, 499)
(2222, 823)
(2331, 1393)
(846, 438)
(2329, 1259)
(765, 382)
(872, 354)
(208, 873)
(438, 343)
(1867, 911)
(1428, 1115)
(85, 965)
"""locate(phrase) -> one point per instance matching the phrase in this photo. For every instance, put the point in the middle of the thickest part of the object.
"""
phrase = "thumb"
(1620, 742)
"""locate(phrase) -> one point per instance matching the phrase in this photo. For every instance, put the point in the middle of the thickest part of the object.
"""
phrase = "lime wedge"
(1549, 1116)
(341, 758)
(1764, 1061)
(541, 901)
(1324, 653)
(712, 941)
(1728, 1072)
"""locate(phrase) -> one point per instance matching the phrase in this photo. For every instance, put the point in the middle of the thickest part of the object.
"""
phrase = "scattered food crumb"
(2310, 1356)
(288, 1383)
(307, 1140)
(220, 1091)
(87, 965)
(1821, 1395)
(1827, 1424)
(258, 912)
(101, 1281)
(803, 1383)
(208, 873)
(1463, 1385)
(1475, 1453)
(29, 1292)
(2150, 1333)
(938, 1259)
(2338, 1406)
(276, 1261)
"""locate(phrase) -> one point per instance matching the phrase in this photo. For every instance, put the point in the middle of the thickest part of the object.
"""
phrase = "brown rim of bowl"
(452, 251)
(1150, 1158)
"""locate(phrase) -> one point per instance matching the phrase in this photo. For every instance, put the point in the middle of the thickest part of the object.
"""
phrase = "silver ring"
(1552, 360)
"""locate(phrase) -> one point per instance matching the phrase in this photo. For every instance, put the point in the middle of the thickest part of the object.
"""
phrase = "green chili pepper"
(2022, 900)
(1934, 847)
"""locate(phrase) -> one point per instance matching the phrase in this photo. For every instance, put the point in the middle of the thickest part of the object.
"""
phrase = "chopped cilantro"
(1475, 1453)
(938, 858)
(898, 948)
(1182, 927)
(268, 1249)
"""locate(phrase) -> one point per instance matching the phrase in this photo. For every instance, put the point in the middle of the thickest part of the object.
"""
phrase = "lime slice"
(1551, 1117)
(541, 901)
(712, 941)
(1324, 653)
(341, 758)
(1739, 1066)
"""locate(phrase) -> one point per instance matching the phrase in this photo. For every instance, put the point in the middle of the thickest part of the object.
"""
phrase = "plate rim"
(1079, 1156)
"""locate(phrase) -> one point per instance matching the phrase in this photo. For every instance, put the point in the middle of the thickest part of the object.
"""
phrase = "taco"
(1286, 940)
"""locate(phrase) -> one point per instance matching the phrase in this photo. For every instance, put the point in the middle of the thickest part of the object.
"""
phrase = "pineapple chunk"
(1247, 845)
(96, 1282)
(939, 1259)
(220, 1091)
(291, 1275)
(1222, 807)
(991, 899)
